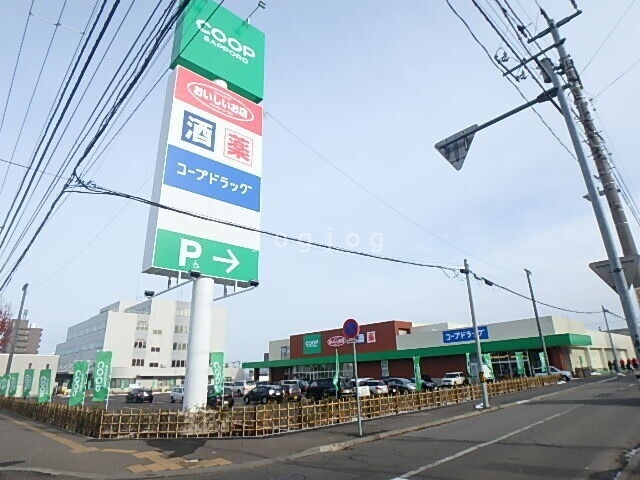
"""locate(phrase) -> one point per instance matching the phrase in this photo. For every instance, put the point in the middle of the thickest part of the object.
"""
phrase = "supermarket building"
(388, 348)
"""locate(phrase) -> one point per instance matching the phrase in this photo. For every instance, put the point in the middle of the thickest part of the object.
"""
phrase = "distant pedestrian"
(622, 364)
(634, 363)
(629, 365)
(610, 364)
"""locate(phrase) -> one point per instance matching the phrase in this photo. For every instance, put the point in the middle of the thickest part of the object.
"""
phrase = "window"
(181, 329)
(177, 363)
(155, 349)
(140, 344)
(179, 346)
(153, 364)
(46, 367)
(30, 365)
(157, 332)
(142, 326)
(137, 362)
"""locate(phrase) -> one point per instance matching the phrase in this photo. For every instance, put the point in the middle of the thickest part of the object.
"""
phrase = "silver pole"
(535, 311)
(628, 305)
(483, 384)
(355, 372)
(613, 347)
(16, 330)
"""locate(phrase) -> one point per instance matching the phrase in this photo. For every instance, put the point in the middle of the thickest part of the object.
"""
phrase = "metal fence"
(251, 421)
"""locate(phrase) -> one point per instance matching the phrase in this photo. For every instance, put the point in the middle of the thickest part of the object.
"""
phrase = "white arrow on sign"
(232, 260)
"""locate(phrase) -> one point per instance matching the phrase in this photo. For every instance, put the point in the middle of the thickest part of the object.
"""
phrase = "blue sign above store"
(464, 334)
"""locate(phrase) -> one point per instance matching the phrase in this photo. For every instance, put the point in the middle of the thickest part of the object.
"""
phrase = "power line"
(613, 29)
(633, 65)
(27, 167)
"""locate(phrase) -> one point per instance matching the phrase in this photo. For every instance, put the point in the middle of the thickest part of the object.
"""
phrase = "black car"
(216, 401)
(324, 388)
(292, 391)
(398, 385)
(427, 383)
(264, 394)
(139, 395)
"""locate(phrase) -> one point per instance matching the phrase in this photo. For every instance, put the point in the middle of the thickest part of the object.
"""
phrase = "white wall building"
(23, 361)
(149, 342)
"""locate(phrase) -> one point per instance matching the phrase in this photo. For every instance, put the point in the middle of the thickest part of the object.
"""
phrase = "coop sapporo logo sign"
(100, 370)
(312, 344)
(219, 39)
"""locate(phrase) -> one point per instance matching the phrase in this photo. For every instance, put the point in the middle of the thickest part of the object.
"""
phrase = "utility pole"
(535, 311)
(16, 329)
(483, 383)
(613, 347)
(629, 305)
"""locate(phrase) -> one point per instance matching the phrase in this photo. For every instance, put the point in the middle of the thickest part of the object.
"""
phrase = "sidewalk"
(30, 446)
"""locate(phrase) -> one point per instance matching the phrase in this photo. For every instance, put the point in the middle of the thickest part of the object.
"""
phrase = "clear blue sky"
(368, 87)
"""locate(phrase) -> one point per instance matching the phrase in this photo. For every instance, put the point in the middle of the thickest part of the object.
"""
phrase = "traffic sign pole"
(355, 372)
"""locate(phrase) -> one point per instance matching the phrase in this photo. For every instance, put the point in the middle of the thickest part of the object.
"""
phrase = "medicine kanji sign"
(216, 43)
(209, 165)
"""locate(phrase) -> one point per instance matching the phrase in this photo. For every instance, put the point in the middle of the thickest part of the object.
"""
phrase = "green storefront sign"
(312, 344)
(216, 362)
(102, 376)
(44, 386)
(179, 252)
(27, 382)
(79, 383)
(215, 43)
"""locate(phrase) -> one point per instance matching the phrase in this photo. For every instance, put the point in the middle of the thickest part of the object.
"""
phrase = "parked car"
(177, 394)
(399, 385)
(139, 395)
(216, 401)
(565, 374)
(303, 384)
(426, 382)
(323, 388)
(292, 391)
(453, 379)
(242, 388)
(376, 387)
(264, 394)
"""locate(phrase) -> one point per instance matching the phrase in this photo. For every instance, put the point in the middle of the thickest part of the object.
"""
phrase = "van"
(177, 394)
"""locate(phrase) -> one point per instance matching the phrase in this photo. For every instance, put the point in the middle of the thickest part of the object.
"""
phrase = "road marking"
(466, 451)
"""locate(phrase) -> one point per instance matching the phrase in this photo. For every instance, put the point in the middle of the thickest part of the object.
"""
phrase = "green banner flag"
(79, 384)
(4, 384)
(336, 376)
(486, 359)
(27, 382)
(44, 386)
(102, 376)
(543, 363)
(216, 362)
(416, 373)
(13, 384)
(520, 362)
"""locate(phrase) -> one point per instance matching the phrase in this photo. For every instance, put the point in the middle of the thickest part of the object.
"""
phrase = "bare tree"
(6, 325)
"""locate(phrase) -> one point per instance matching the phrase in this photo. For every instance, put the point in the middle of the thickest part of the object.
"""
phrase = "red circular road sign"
(350, 328)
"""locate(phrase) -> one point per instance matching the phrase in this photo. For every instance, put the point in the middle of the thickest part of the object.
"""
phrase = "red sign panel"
(336, 341)
(206, 95)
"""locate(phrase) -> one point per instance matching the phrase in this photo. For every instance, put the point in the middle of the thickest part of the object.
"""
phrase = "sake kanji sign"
(211, 165)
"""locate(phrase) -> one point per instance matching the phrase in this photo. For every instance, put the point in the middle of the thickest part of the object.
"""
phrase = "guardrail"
(254, 421)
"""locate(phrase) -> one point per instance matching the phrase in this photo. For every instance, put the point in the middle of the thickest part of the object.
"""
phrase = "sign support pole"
(483, 383)
(355, 372)
(196, 376)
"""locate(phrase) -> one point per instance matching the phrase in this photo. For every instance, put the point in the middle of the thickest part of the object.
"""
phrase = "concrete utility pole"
(16, 329)
(613, 347)
(629, 305)
(483, 383)
(535, 311)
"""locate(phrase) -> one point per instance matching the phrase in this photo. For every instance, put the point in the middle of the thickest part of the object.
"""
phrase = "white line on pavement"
(466, 451)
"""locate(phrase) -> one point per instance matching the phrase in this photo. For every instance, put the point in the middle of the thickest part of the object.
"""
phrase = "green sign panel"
(4, 384)
(27, 382)
(215, 43)
(176, 251)
(216, 362)
(102, 376)
(79, 383)
(44, 386)
(520, 362)
(543, 362)
(13, 384)
(417, 373)
(312, 344)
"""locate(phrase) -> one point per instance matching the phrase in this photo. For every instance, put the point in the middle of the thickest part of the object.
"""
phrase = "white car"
(453, 379)
(565, 374)
(376, 387)
(177, 394)
(242, 388)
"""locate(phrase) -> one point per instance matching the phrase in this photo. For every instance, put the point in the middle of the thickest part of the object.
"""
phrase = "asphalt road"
(579, 434)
